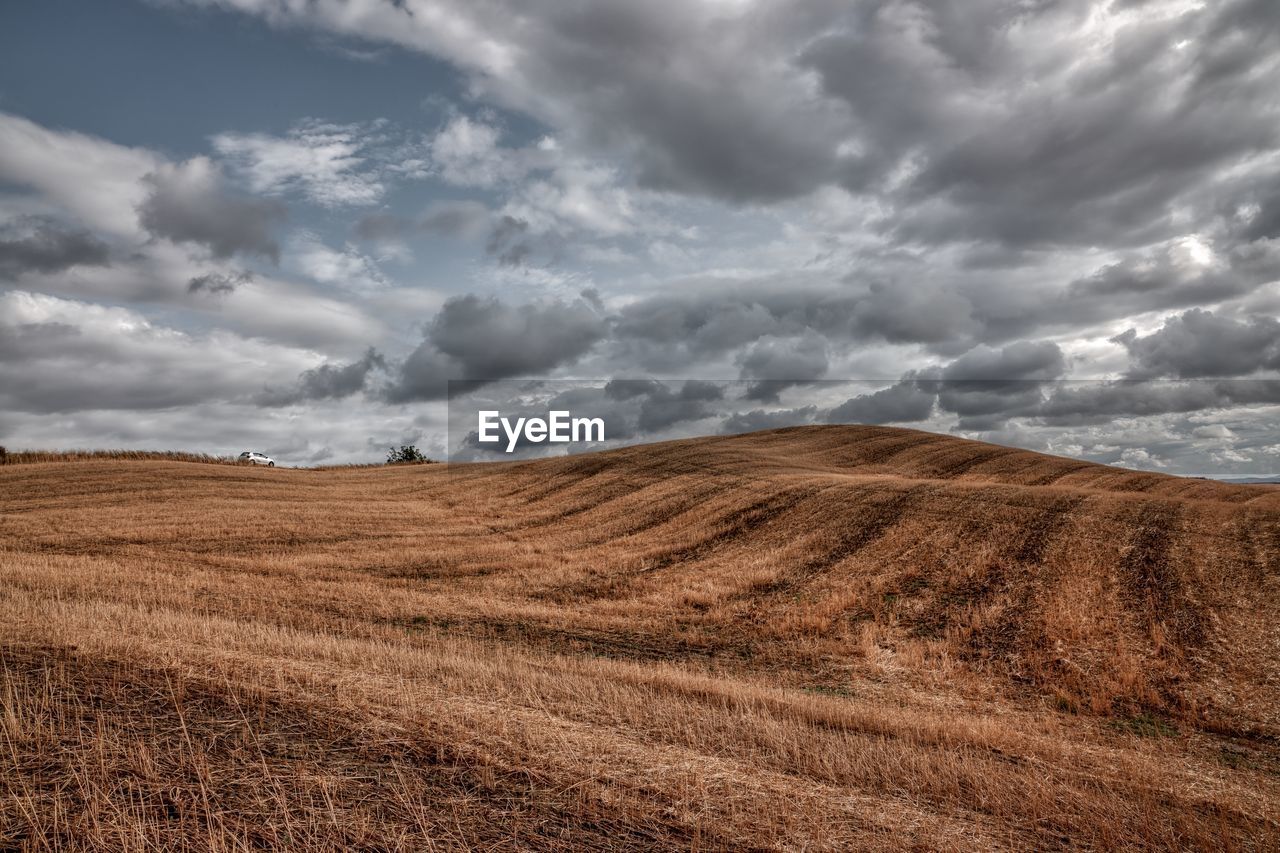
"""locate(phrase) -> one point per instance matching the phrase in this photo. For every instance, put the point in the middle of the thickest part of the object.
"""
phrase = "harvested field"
(812, 638)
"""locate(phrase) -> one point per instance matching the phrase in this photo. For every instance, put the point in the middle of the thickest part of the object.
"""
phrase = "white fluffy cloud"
(96, 181)
(62, 355)
(347, 268)
(326, 163)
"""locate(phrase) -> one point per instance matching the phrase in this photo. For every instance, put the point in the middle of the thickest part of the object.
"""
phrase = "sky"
(285, 225)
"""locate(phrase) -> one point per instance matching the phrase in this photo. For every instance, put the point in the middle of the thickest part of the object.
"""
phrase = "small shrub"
(406, 453)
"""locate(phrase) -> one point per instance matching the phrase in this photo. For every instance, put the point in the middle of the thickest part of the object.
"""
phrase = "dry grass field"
(805, 639)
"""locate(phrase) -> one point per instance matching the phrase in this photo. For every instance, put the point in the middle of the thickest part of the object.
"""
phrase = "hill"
(814, 637)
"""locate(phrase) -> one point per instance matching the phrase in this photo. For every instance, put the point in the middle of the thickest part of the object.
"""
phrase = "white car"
(257, 458)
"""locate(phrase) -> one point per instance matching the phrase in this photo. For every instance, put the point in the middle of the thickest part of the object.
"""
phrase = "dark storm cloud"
(491, 339)
(328, 381)
(188, 204)
(1018, 361)
(663, 407)
(509, 242)
(781, 363)
(55, 367)
(1164, 278)
(486, 339)
(799, 359)
(1203, 344)
(914, 312)
(758, 419)
(906, 402)
(785, 323)
(702, 324)
(1023, 149)
(1080, 403)
(1152, 281)
(1008, 136)
(987, 386)
(705, 120)
(785, 329)
(1263, 222)
(987, 407)
(39, 244)
(217, 283)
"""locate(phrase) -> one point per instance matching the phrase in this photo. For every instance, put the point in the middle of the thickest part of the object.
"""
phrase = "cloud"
(800, 358)
(693, 321)
(1137, 457)
(465, 152)
(1015, 362)
(218, 282)
(296, 315)
(340, 381)
(1042, 124)
(662, 407)
(1132, 126)
(328, 381)
(487, 339)
(347, 268)
(188, 203)
(986, 386)
(61, 355)
(1169, 276)
(917, 312)
(95, 181)
(379, 227)
(1215, 431)
(1074, 404)
(492, 339)
(780, 363)
(1201, 343)
(985, 199)
(759, 419)
(42, 245)
(325, 163)
(550, 194)
(509, 242)
(450, 218)
(902, 403)
(455, 218)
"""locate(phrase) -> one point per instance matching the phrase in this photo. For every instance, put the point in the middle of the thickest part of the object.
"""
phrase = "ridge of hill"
(897, 452)
(816, 636)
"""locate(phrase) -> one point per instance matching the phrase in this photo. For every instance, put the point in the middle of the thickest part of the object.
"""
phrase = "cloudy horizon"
(285, 226)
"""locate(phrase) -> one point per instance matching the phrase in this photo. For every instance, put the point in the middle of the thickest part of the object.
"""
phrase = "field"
(815, 638)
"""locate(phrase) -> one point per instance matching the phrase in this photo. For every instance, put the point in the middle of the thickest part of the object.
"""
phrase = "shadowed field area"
(813, 638)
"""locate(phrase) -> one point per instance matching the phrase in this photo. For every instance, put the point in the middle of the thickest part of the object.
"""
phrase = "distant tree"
(2, 456)
(406, 453)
